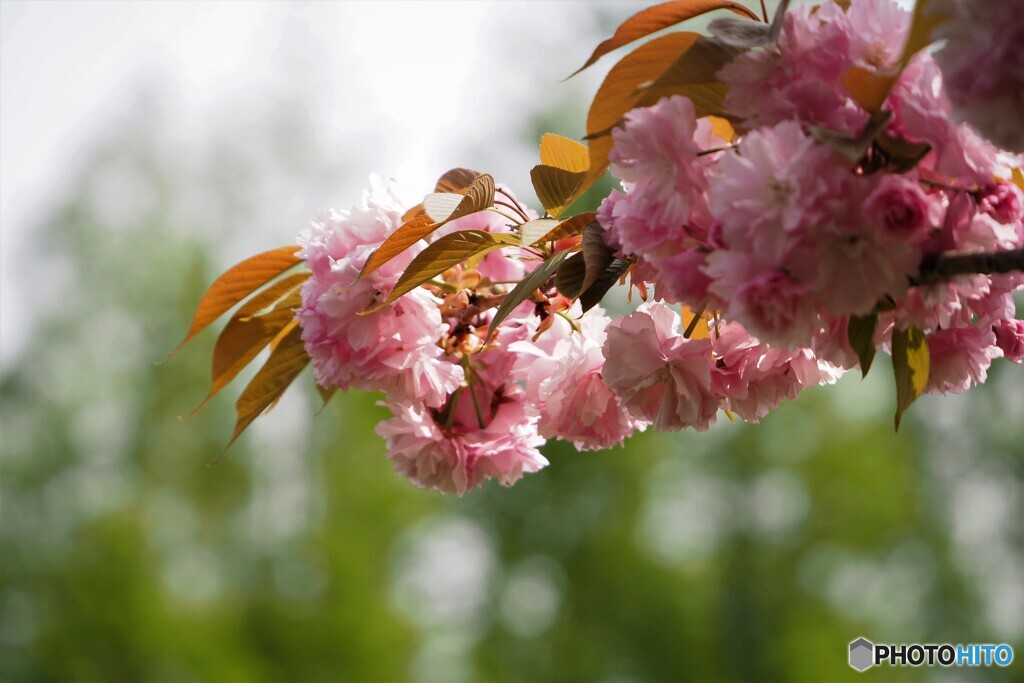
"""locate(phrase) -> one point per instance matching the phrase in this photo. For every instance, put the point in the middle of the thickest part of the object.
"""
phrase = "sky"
(68, 68)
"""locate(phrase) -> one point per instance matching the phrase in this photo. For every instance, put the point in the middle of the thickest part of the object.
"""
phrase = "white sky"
(67, 67)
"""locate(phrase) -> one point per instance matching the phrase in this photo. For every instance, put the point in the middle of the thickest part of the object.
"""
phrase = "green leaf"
(570, 275)
(445, 253)
(860, 331)
(911, 363)
(593, 294)
(853, 148)
(525, 289)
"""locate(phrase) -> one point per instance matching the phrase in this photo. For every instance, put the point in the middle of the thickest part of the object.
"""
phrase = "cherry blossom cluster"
(784, 234)
(466, 409)
(754, 252)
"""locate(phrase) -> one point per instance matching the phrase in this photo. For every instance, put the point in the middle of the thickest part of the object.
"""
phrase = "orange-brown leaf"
(273, 295)
(570, 227)
(1017, 178)
(596, 254)
(283, 334)
(445, 253)
(478, 196)
(722, 128)
(326, 393)
(247, 333)
(456, 180)
(409, 234)
(700, 330)
(533, 232)
(556, 188)
(655, 18)
(286, 361)
(693, 74)
(235, 284)
(618, 94)
(570, 276)
(922, 25)
(563, 153)
(869, 89)
(412, 213)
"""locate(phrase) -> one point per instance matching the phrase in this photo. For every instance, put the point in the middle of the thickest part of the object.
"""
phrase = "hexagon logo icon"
(862, 654)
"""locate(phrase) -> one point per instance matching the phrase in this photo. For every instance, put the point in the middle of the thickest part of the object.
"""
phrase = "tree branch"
(946, 266)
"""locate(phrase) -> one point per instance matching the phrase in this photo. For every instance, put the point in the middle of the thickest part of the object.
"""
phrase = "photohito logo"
(864, 654)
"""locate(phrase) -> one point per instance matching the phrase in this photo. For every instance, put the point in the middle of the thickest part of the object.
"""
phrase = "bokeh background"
(147, 146)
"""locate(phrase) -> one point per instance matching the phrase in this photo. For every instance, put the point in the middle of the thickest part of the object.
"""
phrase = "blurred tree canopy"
(749, 553)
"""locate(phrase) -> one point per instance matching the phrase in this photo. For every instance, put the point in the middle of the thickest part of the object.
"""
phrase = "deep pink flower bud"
(1010, 338)
(900, 208)
(1002, 202)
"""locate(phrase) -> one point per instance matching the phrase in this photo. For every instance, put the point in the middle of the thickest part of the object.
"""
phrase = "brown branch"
(947, 266)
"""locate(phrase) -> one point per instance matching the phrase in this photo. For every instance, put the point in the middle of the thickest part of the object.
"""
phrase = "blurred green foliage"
(748, 553)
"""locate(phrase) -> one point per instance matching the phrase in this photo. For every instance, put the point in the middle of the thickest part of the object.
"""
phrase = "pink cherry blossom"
(1010, 339)
(457, 460)
(797, 79)
(900, 208)
(564, 386)
(984, 65)
(922, 113)
(851, 257)
(1002, 201)
(764, 194)
(877, 30)
(656, 155)
(767, 301)
(392, 350)
(661, 377)
(755, 378)
(960, 358)
(681, 277)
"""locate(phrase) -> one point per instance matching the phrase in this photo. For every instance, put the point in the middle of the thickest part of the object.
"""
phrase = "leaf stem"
(693, 323)
(519, 207)
(572, 322)
(467, 364)
(515, 221)
(764, 11)
(716, 150)
(442, 285)
(449, 419)
(522, 215)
